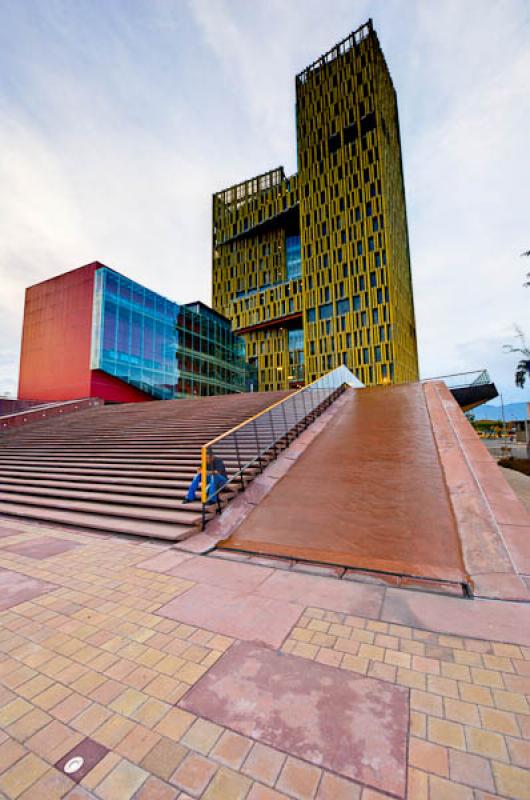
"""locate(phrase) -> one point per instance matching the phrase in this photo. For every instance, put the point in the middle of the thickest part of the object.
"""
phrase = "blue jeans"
(214, 482)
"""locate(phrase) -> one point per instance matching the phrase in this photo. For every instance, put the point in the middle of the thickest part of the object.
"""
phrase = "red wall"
(115, 391)
(56, 343)
(56, 337)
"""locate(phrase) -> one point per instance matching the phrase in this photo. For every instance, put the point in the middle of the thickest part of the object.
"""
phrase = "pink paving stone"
(480, 619)
(517, 538)
(500, 587)
(353, 726)
(244, 616)
(43, 547)
(164, 562)
(197, 544)
(238, 577)
(4, 533)
(16, 588)
(333, 595)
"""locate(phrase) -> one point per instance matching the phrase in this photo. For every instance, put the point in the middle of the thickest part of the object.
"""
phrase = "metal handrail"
(252, 443)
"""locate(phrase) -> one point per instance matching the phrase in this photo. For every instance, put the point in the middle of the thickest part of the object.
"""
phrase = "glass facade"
(162, 348)
(296, 356)
(293, 257)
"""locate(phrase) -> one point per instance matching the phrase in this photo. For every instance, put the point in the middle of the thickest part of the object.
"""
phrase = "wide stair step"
(127, 468)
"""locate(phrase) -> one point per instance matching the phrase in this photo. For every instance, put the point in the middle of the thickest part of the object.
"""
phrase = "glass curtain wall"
(160, 347)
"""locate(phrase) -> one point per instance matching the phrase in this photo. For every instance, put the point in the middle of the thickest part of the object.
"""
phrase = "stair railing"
(248, 447)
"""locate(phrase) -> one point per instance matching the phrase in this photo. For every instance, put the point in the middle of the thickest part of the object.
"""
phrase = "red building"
(55, 359)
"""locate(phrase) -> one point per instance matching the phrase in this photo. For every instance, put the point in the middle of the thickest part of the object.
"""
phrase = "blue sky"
(118, 120)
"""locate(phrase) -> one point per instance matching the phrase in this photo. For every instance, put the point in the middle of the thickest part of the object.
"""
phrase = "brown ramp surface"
(369, 492)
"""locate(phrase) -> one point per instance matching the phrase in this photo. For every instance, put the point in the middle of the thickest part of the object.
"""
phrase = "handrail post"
(273, 435)
(286, 432)
(204, 488)
(239, 462)
(258, 446)
(306, 419)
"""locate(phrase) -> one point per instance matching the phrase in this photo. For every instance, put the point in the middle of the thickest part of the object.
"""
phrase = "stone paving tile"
(92, 657)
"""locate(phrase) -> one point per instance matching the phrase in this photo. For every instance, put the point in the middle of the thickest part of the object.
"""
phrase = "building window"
(377, 353)
(325, 311)
(356, 302)
(311, 315)
(293, 257)
(343, 306)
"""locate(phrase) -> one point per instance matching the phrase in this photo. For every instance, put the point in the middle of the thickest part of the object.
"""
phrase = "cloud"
(119, 121)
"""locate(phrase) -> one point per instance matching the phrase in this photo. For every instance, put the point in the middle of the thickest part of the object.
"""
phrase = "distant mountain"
(511, 411)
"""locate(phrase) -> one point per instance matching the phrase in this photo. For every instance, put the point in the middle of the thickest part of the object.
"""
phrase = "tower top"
(339, 49)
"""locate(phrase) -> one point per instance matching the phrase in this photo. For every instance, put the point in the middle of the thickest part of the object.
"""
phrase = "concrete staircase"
(123, 468)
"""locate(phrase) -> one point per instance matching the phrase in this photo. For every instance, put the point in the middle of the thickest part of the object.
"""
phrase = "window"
(366, 356)
(350, 134)
(377, 353)
(343, 306)
(373, 279)
(368, 209)
(311, 315)
(325, 311)
(377, 259)
(334, 143)
(356, 302)
(379, 296)
(359, 248)
(368, 123)
(375, 316)
(370, 243)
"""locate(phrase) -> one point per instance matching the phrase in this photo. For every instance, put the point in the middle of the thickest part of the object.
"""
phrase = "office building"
(94, 332)
(314, 269)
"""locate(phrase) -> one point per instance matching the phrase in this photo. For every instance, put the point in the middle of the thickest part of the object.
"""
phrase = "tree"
(522, 370)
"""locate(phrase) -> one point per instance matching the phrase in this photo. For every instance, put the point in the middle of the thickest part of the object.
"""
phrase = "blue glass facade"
(293, 257)
(162, 348)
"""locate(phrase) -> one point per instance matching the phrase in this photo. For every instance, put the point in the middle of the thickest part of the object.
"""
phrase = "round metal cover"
(74, 765)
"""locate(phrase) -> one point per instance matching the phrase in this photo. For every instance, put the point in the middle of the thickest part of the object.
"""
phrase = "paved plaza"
(176, 675)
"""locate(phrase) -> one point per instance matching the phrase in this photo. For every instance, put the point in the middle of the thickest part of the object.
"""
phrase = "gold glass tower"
(314, 270)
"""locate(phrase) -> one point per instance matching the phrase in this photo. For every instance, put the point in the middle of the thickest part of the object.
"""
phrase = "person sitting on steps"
(216, 479)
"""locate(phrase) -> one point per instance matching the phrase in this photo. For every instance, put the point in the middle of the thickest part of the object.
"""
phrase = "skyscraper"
(314, 269)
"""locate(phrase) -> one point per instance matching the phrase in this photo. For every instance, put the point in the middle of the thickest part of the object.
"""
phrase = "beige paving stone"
(500, 721)
(164, 758)
(519, 752)
(113, 731)
(460, 711)
(10, 752)
(227, 783)
(155, 789)
(486, 743)
(128, 701)
(487, 677)
(14, 710)
(175, 723)
(332, 787)
(21, 775)
(418, 785)
(231, 749)
(299, 779)
(428, 757)
(476, 694)
(29, 724)
(90, 719)
(137, 743)
(260, 792)
(511, 701)
(264, 764)
(442, 789)
(448, 734)
(51, 786)
(150, 712)
(194, 774)
(512, 781)
(123, 782)
(202, 736)
(53, 741)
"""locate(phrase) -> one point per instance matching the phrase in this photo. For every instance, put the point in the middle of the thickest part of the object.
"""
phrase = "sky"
(119, 120)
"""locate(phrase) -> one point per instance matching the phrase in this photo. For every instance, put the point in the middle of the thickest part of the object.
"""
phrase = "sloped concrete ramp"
(368, 493)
